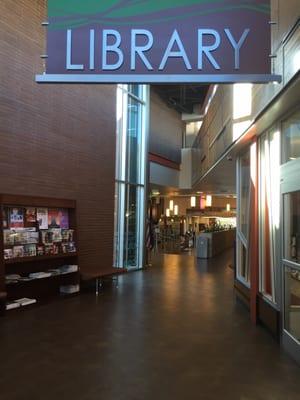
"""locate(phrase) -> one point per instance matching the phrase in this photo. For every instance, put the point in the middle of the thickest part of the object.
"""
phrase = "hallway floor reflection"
(173, 331)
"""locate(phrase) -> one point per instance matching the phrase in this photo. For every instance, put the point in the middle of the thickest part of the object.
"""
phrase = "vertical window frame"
(242, 240)
(123, 181)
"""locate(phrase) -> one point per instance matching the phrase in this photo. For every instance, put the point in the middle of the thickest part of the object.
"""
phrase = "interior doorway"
(290, 189)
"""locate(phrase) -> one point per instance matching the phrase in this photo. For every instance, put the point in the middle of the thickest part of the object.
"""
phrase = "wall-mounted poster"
(16, 218)
(30, 214)
(64, 219)
(42, 217)
(53, 218)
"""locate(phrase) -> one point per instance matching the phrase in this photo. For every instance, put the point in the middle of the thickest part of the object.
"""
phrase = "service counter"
(213, 243)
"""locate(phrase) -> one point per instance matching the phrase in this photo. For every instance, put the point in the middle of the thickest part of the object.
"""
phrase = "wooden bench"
(2, 302)
(98, 279)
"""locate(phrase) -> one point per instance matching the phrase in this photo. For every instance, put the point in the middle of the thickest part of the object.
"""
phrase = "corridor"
(173, 331)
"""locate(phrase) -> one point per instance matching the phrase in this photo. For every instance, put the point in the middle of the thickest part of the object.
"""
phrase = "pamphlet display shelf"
(39, 258)
(38, 238)
(34, 281)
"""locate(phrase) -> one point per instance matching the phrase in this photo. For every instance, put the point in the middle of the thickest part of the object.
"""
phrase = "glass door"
(291, 259)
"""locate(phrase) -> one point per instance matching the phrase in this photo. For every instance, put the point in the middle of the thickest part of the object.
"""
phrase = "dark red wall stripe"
(163, 161)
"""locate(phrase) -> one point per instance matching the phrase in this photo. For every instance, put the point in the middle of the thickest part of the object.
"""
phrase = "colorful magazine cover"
(55, 248)
(33, 237)
(30, 250)
(4, 218)
(30, 214)
(18, 251)
(48, 249)
(67, 235)
(64, 218)
(16, 218)
(56, 234)
(8, 237)
(53, 218)
(8, 253)
(71, 247)
(19, 237)
(47, 237)
(42, 217)
(68, 247)
(40, 250)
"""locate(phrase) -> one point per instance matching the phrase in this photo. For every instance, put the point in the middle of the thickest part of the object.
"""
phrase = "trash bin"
(202, 247)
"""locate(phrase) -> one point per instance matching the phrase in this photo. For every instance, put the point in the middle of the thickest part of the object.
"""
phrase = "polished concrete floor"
(173, 331)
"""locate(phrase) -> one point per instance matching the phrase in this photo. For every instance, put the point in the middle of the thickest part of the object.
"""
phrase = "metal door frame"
(290, 182)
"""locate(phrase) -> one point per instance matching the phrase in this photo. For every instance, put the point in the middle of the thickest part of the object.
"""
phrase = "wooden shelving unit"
(45, 288)
(39, 258)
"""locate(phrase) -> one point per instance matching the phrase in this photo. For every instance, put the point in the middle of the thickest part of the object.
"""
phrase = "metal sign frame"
(179, 41)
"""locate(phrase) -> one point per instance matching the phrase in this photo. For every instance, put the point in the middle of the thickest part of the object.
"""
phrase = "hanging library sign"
(125, 41)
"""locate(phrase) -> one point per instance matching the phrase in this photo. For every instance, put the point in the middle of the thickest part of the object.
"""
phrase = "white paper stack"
(12, 278)
(69, 289)
(54, 271)
(25, 301)
(12, 305)
(68, 269)
(39, 275)
(25, 279)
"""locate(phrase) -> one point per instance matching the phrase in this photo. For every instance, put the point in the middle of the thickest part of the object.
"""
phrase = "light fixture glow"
(202, 202)
(208, 200)
(155, 193)
(171, 205)
(167, 212)
(193, 201)
(228, 208)
(176, 210)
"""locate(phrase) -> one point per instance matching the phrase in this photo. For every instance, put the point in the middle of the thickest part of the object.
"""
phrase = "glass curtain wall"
(269, 212)
(292, 264)
(291, 228)
(243, 228)
(131, 158)
(291, 138)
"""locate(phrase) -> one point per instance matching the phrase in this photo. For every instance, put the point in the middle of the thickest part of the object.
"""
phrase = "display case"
(39, 247)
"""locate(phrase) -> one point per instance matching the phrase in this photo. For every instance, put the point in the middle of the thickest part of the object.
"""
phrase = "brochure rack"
(39, 249)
